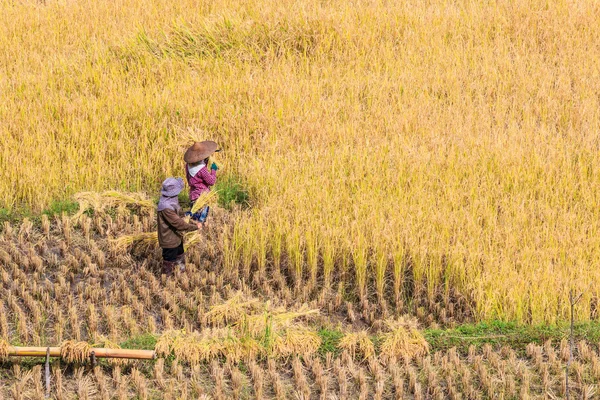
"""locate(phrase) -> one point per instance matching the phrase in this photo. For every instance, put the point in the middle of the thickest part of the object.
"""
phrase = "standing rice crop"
(462, 132)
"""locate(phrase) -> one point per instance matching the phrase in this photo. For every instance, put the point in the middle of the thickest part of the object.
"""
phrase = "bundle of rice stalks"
(74, 351)
(186, 138)
(257, 324)
(4, 350)
(250, 349)
(164, 344)
(192, 239)
(87, 201)
(206, 198)
(230, 311)
(403, 340)
(297, 340)
(137, 200)
(237, 349)
(283, 319)
(195, 347)
(143, 241)
(358, 343)
(211, 344)
(99, 202)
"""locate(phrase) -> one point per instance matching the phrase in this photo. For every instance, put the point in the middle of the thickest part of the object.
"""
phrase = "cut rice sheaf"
(4, 350)
(74, 351)
(403, 340)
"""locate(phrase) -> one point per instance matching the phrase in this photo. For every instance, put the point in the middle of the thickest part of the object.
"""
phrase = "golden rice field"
(218, 338)
(399, 155)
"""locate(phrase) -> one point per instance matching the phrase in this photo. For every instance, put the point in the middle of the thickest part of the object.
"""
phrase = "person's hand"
(214, 167)
(200, 225)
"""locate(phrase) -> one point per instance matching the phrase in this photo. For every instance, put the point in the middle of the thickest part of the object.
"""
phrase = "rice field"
(453, 143)
(450, 146)
(67, 284)
(403, 165)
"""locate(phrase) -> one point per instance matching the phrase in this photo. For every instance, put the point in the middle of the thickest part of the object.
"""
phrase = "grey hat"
(171, 187)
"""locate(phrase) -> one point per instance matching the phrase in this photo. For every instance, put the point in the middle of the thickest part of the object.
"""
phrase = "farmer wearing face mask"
(171, 226)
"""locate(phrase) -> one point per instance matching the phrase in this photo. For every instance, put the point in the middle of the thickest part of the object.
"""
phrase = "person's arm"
(209, 178)
(178, 223)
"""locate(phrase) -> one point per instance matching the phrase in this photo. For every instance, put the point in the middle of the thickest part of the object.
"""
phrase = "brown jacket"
(170, 226)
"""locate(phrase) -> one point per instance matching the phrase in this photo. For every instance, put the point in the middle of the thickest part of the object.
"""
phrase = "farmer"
(171, 225)
(197, 158)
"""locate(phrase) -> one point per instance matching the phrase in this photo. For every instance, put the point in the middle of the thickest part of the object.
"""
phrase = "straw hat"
(199, 151)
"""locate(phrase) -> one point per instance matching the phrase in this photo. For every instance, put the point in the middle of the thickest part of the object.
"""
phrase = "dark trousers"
(173, 253)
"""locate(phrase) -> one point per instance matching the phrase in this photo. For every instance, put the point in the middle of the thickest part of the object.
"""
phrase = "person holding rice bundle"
(197, 159)
(171, 225)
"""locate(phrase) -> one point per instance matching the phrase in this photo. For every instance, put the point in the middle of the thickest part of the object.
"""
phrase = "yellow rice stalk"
(237, 349)
(255, 325)
(186, 138)
(205, 199)
(99, 202)
(231, 348)
(230, 311)
(194, 347)
(283, 319)
(87, 201)
(126, 242)
(358, 343)
(74, 351)
(403, 340)
(192, 239)
(298, 340)
(164, 344)
(198, 347)
(279, 319)
(130, 199)
(250, 348)
(4, 350)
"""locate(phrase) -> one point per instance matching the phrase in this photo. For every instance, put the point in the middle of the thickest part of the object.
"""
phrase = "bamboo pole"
(17, 351)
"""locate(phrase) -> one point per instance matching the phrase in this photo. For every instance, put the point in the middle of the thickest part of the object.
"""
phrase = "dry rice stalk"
(358, 343)
(73, 351)
(164, 344)
(126, 242)
(187, 137)
(87, 200)
(99, 202)
(277, 320)
(4, 350)
(195, 348)
(191, 239)
(283, 319)
(130, 199)
(205, 199)
(403, 340)
(298, 340)
(230, 311)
